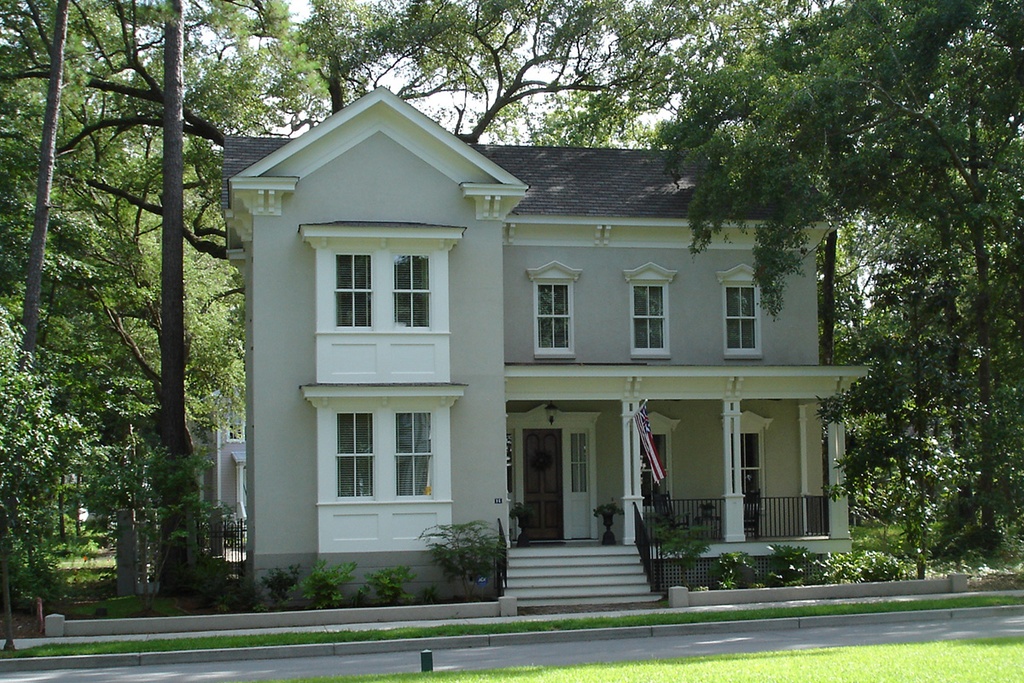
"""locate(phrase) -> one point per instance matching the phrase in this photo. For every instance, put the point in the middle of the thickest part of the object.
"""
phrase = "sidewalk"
(470, 641)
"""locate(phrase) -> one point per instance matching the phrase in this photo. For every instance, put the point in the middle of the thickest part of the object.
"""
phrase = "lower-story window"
(355, 455)
(412, 454)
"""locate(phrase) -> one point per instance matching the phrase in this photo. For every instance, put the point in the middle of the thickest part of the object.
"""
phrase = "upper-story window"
(355, 455)
(412, 291)
(742, 316)
(353, 293)
(649, 309)
(553, 309)
(412, 454)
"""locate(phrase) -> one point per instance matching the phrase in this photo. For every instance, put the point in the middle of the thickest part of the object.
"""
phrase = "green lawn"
(977, 661)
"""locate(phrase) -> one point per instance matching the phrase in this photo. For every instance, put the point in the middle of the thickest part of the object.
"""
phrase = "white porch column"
(630, 472)
(805, 409)
(839, 509)
(733, 494)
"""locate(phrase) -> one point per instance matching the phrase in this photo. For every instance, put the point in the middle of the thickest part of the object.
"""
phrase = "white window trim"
(650, 275)
(553, 273)
(372, 455)
(740, 276)
(357, 328)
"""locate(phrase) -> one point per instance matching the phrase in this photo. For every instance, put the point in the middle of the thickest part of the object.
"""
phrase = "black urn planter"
(523, 540)
(609, 537)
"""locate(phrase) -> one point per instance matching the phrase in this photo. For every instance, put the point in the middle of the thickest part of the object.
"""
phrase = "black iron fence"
(793, 516)
(226, 540)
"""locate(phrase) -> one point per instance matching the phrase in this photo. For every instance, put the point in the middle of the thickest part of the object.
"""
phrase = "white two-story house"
(437, 329)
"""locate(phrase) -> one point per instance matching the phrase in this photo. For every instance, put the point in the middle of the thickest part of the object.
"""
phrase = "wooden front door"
(542, 482)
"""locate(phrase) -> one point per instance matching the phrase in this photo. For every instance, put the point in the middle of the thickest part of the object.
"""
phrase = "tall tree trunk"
(827, 305)
(173, 429)
(44, 183)
(37, 250)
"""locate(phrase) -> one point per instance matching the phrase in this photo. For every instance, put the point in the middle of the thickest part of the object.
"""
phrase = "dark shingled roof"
(594, 182)
(565, 181)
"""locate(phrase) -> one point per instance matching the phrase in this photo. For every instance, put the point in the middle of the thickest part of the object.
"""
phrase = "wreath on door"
(541, 460)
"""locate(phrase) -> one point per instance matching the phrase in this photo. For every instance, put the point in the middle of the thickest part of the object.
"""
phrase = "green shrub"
(681, 545)
(323, 585)
(464, 552)
(388, 583)
(280, 582)
(732, 570)
(861, 567)
(788, 565)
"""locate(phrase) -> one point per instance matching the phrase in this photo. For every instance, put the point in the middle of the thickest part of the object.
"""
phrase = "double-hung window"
(742, 320)
(553, 309)
(648, 317)
(353, 292)
(355, 455)
(412, 291)
(553, 321)
(412, 454)
(649, 309)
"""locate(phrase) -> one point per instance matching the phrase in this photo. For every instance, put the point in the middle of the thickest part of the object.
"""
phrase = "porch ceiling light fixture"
(551, 410)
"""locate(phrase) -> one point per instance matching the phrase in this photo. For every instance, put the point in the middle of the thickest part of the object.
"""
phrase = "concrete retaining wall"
(680, 596)
(58, 626)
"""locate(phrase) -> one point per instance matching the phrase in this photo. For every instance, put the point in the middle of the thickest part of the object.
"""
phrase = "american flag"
(643, 428)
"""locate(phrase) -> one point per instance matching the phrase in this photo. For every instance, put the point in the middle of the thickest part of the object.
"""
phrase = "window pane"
(403, 432)
(403, 272)
(732, 328)
(640, 297)
(560, 299)
(420, 309)
(361, 305)
(545, 297)
(545, 336)
(344, 315)
(732, 301)
(420, 272)
(747, 327)
(361, 272)
(344, 267)
(560, 333)
(656, 341)
(654, 298)
(640, 333)
(421, 435)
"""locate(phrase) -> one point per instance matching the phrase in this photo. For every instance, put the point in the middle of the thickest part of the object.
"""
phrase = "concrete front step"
(574, 574)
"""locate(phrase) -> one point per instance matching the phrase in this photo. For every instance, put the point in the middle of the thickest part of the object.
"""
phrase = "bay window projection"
(355, 455)
(412, 291)
(412, 454)
(353, 293)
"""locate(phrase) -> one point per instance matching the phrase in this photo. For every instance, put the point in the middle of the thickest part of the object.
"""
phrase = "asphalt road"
(544, 654)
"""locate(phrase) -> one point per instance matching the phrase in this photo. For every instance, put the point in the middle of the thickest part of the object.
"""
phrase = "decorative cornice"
(260, 195)
(554, 271)
(494, 201)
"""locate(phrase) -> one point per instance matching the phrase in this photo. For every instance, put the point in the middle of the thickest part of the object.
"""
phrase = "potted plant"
(607, 512)
(521, 512)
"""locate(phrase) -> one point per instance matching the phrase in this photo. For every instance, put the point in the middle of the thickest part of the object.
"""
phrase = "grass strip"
(448, 630)
(964, 661)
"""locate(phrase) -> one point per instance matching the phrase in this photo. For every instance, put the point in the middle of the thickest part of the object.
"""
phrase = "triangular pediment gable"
(381, 112)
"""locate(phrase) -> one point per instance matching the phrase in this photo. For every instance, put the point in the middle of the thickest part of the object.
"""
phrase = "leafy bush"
(464, 552)
(280, 582)
(788, 565)
(323, 585)
(388, 584)
(211, 579)
(681, 545)
(861, 567)
(732, 570)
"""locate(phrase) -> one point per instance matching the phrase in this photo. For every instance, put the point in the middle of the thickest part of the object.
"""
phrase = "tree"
(37, 441)
(901, 115)
(501, 62)
(44, 182)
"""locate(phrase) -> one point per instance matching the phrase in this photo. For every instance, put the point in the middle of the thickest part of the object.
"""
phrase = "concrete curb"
(495, 640)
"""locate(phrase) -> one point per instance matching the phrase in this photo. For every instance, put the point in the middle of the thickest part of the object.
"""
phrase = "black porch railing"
(793, 516)
(501, 562)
